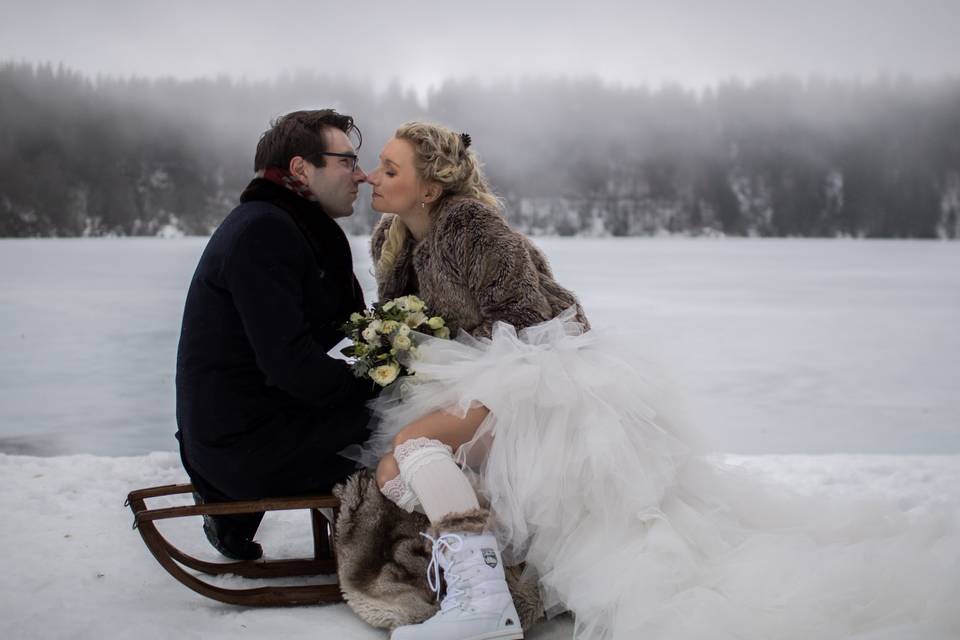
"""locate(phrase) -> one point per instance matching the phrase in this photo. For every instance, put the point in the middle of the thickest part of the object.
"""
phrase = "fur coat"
(473, 269)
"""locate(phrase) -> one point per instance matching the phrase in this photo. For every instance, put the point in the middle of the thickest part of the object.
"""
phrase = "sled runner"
(323, 562)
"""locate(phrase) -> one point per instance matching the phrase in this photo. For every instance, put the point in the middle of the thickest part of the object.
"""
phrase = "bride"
(562, 435)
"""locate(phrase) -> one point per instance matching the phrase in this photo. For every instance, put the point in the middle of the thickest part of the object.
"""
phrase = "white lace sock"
(399, 493)
(429, 470)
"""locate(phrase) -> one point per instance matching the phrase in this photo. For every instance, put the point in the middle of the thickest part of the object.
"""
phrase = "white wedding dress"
(640, 536)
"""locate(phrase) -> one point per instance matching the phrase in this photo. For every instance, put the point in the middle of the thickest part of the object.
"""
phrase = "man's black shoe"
(222, 534)
(228, 543)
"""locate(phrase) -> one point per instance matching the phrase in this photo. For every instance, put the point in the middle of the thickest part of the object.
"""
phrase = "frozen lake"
(777, 346)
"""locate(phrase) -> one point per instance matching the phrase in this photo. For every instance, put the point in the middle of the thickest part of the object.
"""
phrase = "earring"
(423, 205)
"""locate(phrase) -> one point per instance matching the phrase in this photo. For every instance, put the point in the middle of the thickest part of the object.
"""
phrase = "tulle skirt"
(641, 536)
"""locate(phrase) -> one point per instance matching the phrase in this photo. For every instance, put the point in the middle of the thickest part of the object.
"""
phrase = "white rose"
(403, 330)
(411, 303)
(389, 305)
(385, 373)
(376, 325)
(355, 317)
(442, 332)
(388, 326)
(435, 322)
(415, 319)
(402, 343)
(370, 335)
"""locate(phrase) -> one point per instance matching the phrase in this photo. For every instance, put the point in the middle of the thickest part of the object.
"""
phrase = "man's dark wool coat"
(262, 409)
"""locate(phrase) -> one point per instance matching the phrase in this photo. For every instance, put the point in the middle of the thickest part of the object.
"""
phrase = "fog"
(421, 43)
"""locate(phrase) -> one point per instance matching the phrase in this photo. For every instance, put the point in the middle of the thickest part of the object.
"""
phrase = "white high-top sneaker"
(477, 605)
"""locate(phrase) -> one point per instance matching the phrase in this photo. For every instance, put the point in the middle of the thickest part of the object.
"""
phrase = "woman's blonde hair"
(444, 157)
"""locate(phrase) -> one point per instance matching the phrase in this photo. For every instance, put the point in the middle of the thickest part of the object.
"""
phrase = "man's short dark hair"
(300, 133)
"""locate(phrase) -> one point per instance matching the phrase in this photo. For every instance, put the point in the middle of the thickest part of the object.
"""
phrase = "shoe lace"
(453, 543)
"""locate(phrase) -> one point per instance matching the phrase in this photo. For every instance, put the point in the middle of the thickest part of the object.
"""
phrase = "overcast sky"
(418, 43)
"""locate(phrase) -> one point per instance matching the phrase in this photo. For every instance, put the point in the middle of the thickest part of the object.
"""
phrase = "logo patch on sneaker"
(490, 557)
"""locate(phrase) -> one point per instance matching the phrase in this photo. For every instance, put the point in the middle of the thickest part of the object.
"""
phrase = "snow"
(74, 568)
(795, 347)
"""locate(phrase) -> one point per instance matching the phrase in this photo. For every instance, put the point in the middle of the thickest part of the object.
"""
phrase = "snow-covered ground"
(842, 348)
(73, 568)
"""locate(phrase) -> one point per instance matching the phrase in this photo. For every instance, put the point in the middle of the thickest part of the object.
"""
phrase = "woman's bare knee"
(387, 470)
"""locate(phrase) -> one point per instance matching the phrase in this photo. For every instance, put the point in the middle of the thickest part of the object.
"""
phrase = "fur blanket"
(382, 561)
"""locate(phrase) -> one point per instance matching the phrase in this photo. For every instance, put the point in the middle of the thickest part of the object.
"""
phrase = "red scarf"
(286, 179)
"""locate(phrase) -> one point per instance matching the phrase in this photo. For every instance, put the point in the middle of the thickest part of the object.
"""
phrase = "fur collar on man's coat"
(473, 270)
(382, 561)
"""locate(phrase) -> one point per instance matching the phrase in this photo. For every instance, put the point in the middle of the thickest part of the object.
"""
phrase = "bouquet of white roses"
(383, 337)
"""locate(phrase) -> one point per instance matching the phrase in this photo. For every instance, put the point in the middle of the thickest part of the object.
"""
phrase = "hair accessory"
(465, 139)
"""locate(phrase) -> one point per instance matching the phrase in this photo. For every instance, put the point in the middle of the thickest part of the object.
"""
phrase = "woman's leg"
(468, 554)
(439, 425)
(445, 427)
(422, 467)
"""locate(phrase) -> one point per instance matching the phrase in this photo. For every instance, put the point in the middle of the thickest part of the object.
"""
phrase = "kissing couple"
(529, 437)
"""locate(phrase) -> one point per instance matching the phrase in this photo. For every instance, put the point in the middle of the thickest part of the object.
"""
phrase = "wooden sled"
(323, 562)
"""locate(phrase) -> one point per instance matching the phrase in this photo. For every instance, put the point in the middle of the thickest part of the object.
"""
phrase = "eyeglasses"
(351, 156)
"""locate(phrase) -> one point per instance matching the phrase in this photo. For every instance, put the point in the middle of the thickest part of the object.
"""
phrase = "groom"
(261, 408)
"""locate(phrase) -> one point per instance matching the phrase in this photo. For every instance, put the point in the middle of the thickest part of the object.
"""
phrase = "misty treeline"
(777, 157)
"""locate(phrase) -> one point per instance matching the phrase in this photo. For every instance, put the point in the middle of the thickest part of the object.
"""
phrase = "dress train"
(640, 535)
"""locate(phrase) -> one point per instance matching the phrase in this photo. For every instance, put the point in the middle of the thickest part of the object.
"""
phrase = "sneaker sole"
(498, 635)
(503, 634)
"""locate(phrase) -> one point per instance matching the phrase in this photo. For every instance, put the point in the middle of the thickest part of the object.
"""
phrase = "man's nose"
(359, 175)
